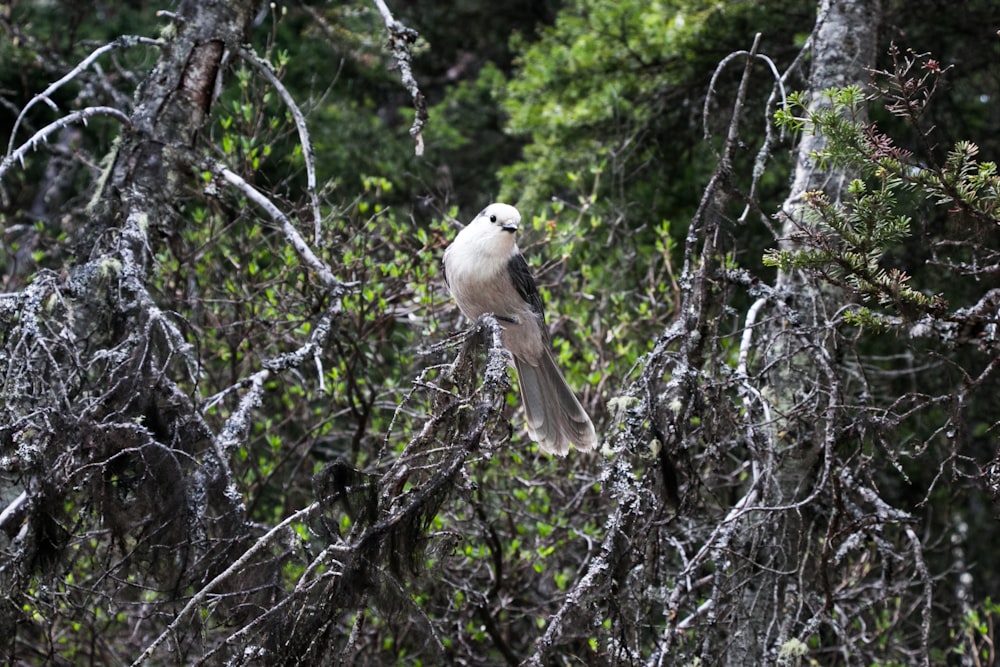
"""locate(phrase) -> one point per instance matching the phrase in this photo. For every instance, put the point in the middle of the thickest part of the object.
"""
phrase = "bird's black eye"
(493, 218)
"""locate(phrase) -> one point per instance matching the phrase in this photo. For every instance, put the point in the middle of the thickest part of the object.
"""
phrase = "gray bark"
(802, 380)
(92, 403)
(844, 44)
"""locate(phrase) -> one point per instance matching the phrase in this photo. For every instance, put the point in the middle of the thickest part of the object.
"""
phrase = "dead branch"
(400, 40)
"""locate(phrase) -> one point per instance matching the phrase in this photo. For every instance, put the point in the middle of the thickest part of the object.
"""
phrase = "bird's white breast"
(478, 276)
(477, 264)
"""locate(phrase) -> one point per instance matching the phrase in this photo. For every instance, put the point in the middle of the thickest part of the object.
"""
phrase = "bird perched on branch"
(486, 273)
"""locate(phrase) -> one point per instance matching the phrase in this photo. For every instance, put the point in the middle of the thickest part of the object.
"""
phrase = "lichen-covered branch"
(401, 38)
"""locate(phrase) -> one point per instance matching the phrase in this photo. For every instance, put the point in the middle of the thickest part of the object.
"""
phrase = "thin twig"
(305, 253)
(400, 39)
(80, 116)
(235, 567)
(265, 68)
(126, 41)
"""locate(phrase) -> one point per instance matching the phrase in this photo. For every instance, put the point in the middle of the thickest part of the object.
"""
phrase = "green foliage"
(848, 241)
(963, 184)
(468, 125)
(623, 85)
(600, 97)
(606, 292)
(977, 637)
(596, 65)
(607, 101)
(866, 242)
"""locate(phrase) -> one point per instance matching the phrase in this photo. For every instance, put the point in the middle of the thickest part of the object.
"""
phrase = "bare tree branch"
(123, 42)
(308, 155)
(322, 270)
(400, 40)
(199, 597)
(79, 116)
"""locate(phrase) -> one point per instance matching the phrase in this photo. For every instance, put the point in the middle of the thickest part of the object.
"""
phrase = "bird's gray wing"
(525, 285)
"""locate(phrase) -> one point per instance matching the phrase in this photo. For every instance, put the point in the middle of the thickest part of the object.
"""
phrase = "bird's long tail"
(554, 417)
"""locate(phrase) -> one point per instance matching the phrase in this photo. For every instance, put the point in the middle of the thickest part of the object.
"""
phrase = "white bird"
(486, 273)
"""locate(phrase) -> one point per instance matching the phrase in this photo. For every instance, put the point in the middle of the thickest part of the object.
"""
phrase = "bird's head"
(498, 219)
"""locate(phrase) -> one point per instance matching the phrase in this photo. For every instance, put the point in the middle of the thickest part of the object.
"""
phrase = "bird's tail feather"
(554, 417)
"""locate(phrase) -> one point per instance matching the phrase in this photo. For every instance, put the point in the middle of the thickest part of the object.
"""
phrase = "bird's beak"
(509, 228)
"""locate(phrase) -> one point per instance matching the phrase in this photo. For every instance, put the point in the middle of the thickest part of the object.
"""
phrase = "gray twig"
(400, 39)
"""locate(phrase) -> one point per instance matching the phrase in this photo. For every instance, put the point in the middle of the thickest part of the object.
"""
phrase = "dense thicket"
(239, 423)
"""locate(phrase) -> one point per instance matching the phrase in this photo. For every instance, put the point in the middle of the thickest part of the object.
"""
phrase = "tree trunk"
(801, 381)
(105, 425)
